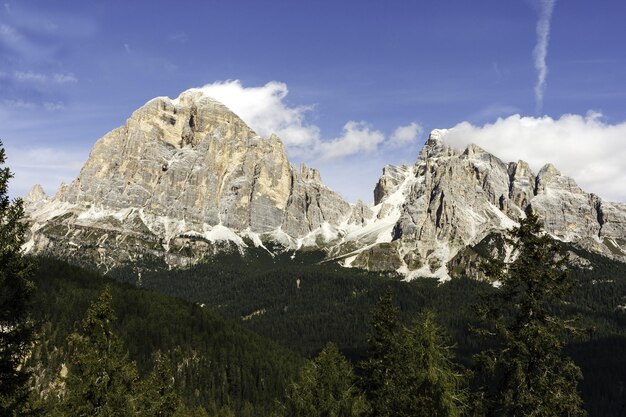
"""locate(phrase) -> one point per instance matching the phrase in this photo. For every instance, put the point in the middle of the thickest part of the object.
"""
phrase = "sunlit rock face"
(190, 166)
(452, 198)
(186, 178)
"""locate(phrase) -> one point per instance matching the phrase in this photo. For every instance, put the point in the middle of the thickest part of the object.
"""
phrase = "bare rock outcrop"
(451, 199)
(188, 167)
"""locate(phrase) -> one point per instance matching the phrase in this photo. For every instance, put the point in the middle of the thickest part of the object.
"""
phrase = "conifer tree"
(429, 383)
(410, 371)
(534, 378)
(325, 388)
(158, 396)
(101, 380)
(16, 328)
(380, 367)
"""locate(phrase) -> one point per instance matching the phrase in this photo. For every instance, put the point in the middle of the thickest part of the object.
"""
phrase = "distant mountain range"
(186, 178)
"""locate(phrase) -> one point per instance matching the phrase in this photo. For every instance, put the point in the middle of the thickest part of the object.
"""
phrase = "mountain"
(179, 179)
(186, 178)
(452, 199)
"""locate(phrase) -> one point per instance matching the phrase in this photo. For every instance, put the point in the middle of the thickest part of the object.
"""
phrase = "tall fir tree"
(101, 381)
(430, 383)
(379, 369)
(533, 376)
(16, 327)
(157, 394)
(410, 371)
(326, 387)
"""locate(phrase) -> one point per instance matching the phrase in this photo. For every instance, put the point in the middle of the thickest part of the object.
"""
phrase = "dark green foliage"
(157, 393)
(16, 328)
(437, 383)
(215, 363)
(380, 369)
(335, 304)
(101, 380)
(332, 304)
(325, 388)
(410, 371)
(534, 377)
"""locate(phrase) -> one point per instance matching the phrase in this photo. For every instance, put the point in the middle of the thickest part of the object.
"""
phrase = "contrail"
(541, 50)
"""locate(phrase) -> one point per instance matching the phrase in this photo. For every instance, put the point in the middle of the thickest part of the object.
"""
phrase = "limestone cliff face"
(185, 178)
(451, 199)
(192, 160)
(190, 166)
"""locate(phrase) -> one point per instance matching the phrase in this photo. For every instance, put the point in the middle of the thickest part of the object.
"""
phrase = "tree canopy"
(534, 378)
(16, 327)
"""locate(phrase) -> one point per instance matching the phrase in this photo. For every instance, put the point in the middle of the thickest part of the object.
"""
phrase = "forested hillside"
(302, 304)
(216, 363)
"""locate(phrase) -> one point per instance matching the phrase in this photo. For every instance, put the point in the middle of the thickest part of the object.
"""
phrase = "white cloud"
(584, 147)
(31, 76)
(53, 106)
(541, 49)
(266, 110)
(65, 78)
(357, 137)
(27, 76)
(405, 135)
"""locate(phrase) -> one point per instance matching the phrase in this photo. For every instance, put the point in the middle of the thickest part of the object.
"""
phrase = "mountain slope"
(216, 361)
(451, 199)
(186, 178)
(178, 177)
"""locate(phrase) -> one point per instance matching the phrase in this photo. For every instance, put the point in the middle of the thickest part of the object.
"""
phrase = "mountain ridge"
(186, 177)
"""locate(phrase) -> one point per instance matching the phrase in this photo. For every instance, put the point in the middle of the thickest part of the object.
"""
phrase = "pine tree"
(16, 328)
(410, 371)
(533, 376)
(430, 383)
(101, 380)
(380, 367)
(325, 388)
(158, 397)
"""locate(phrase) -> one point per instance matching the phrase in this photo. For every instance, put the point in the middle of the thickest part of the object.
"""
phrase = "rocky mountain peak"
(310, 174)
(452, 200)
(550, 178)
(184, 175)
(435, 146)
(190, 167)
(35, 195)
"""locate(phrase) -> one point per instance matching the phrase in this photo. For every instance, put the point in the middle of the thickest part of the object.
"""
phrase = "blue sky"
(348, 72)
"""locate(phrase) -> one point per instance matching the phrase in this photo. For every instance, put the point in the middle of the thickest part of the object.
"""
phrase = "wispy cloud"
(17, 104)
(28, 76)
(31, 76)
(53, 106)
(541, 50)
(64, 78)
(180, 37)
(18, 44)
(46, 166)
